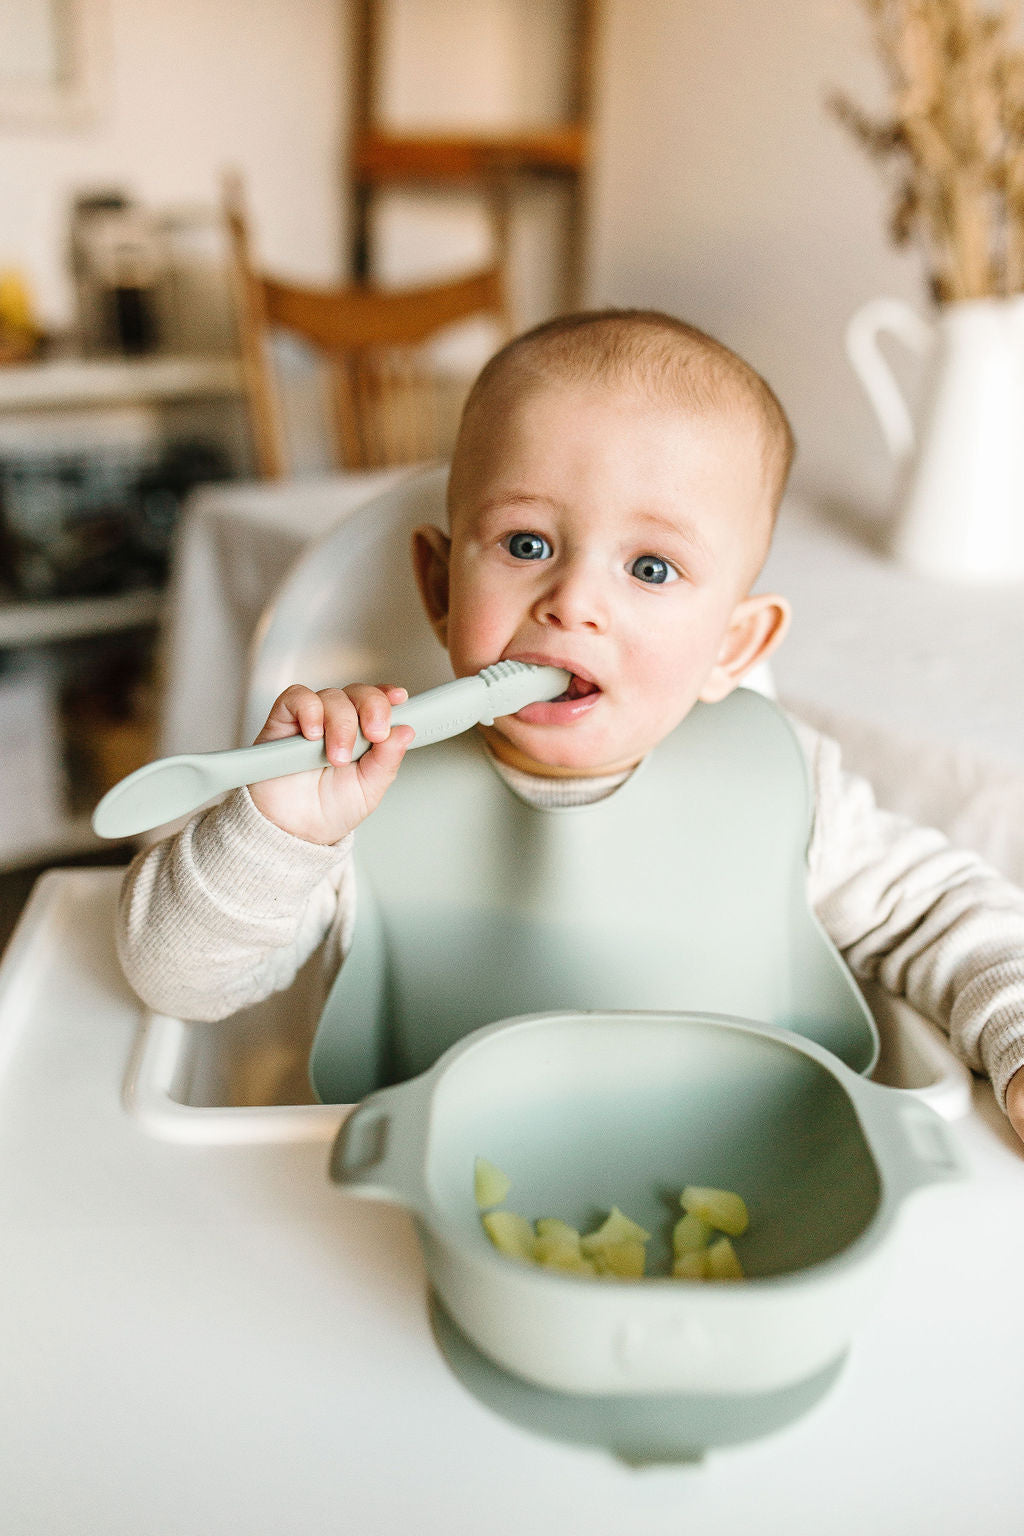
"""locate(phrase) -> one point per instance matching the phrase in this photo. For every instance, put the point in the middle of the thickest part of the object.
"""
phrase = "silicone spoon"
(173, 786)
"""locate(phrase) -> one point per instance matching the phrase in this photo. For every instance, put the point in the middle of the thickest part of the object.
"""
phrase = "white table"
(211, 1339)
(927, 660)
(921, 682)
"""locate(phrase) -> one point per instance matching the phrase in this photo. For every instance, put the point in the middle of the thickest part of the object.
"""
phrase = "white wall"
(464, 64)
(723, 190)
(186, 89)
(726, 193)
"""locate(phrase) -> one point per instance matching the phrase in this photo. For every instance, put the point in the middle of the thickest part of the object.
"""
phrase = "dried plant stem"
(956, 132)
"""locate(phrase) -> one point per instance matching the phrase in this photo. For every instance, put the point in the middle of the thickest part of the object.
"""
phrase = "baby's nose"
(574, 600)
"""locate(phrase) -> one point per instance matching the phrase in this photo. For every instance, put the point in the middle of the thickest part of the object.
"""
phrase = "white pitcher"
(960, 512)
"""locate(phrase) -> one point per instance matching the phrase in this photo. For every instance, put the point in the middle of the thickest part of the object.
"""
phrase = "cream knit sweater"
(226, 912)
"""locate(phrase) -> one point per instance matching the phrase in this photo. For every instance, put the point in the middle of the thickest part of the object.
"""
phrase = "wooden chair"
(388, 404)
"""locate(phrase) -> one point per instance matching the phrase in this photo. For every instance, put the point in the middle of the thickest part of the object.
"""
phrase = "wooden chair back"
(389, 404)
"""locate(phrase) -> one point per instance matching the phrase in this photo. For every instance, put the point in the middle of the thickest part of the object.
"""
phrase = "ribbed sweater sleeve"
(224, 913)
(932, 923)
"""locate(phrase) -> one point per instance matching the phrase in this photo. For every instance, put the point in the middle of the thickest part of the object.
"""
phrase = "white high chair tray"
(208, 1337)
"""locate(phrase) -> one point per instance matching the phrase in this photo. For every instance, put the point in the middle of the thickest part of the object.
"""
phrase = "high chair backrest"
(389, 404)
(349, 610)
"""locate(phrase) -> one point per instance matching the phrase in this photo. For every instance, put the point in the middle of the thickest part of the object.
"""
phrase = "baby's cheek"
(482, 628)
(675, 675)
(472, 646)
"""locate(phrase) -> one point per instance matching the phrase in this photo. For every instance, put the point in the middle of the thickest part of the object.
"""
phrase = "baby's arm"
(225, 913)
(932, 923)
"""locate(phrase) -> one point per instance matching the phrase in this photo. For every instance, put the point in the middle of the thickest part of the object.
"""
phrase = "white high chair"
(349, 610)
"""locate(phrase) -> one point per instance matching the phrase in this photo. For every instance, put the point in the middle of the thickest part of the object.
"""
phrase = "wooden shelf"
(115, 381)
(431, 157)
(63, 387)
(71, 618)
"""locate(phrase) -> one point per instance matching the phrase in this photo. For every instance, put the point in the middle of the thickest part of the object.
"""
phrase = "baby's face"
(597, 532)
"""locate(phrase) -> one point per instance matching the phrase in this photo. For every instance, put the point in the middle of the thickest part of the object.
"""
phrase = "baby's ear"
(431, 553)
(757, 627)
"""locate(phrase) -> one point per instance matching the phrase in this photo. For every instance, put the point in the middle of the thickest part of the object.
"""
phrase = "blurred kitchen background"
(632, 152)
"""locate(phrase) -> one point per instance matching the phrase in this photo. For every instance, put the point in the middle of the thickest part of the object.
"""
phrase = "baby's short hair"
(657, 355)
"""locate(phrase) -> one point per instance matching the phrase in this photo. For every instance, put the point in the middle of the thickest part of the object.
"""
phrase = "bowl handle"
(918, 1145)
(379, 1151)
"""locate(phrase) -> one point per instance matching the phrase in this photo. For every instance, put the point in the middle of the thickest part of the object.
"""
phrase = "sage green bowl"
(585, 1111)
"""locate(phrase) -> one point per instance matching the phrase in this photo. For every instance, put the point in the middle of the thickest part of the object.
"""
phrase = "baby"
(612, 496)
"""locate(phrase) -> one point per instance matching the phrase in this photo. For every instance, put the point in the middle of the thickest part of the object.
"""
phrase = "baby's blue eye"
(653, 569)
(527, 546)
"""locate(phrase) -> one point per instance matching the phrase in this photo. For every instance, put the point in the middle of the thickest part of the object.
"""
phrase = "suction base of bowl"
(640, 1430)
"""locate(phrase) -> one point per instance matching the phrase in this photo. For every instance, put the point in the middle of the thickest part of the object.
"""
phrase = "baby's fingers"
(357, 708)
(297, 707)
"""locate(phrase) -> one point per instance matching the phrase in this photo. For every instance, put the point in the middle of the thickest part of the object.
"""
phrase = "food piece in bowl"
(699, 1255)
(490, 1185)
(622, 1261)
(720, 1208)
(549, 1227)
(616, 1228)
(722, 1261)
(558, 1247)
(512, 1235)
(616, 1249)
(568, 1262)
(690, 1235)
(693, 1265)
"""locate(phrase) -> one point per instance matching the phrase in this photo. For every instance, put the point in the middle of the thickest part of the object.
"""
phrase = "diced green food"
(722, 1261)
(690, 1235)
(616, 1228)
(511, 1234)
(558, 1246)
(549, 1250)
(720, 1208)
(693, 1265)
(624, 1261)
(565, 1260)
(490, 1185)
(558, 1231)
(616, 1249)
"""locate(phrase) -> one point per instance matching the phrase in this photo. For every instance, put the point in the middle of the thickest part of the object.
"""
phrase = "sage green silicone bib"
(683, 890)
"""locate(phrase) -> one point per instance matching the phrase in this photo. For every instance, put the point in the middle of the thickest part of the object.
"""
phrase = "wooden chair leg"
(347, 437)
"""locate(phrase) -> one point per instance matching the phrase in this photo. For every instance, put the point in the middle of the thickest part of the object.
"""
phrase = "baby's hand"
(325, 804)
(1015, 1102)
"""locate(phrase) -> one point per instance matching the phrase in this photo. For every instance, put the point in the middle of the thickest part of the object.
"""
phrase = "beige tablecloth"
(921, 682)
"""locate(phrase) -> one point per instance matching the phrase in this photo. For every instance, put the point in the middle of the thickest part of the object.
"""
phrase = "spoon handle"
(434, 715)
(162, 791)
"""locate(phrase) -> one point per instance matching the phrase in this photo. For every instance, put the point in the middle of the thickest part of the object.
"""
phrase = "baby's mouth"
(579, 688)
(571, 705)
